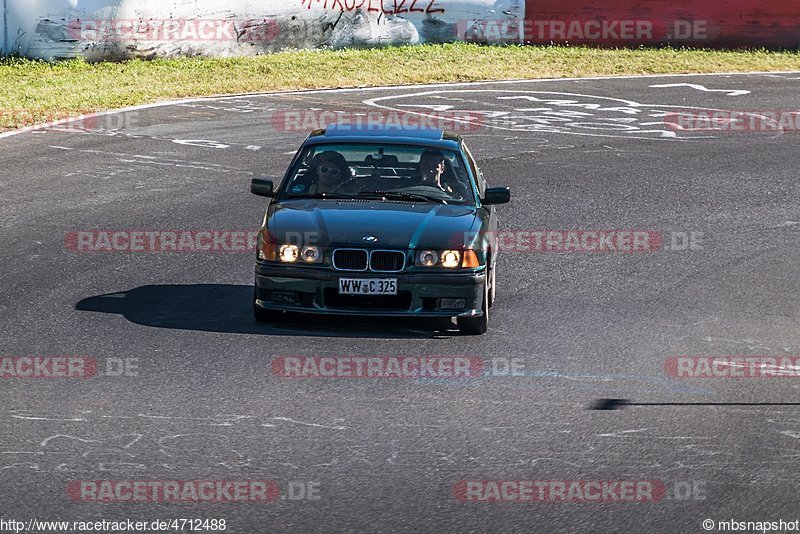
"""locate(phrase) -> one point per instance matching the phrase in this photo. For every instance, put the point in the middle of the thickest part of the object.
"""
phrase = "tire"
(265, 316)
(477, 326)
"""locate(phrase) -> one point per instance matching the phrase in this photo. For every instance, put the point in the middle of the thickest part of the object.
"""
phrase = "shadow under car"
(228, 308)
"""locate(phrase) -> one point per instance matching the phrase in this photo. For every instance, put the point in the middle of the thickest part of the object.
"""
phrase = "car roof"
(428, 137)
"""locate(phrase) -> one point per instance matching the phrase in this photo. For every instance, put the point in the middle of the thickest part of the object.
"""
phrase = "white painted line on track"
(698, 87)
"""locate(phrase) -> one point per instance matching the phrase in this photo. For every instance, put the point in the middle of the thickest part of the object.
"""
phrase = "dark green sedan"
(380, 222)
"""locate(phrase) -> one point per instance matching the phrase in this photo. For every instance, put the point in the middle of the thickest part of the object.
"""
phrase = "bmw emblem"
(370, 239)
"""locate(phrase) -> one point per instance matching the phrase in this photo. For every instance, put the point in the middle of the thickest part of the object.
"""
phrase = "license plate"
(367, 286)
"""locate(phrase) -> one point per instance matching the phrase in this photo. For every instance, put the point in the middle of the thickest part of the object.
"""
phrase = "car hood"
(395, 225)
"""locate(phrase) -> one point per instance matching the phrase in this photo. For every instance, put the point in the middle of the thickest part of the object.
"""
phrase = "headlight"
(268, 250)
(451, 259)
(289, 253)
(448, 259)
(311, 255)
(428, 258)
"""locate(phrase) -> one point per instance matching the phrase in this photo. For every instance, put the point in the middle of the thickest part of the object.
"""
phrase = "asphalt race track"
(185, 388)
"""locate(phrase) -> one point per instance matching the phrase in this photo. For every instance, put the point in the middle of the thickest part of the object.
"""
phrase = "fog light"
(453, 304)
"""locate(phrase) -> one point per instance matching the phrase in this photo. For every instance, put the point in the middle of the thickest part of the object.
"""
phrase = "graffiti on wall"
(387, 7)
(123, 29)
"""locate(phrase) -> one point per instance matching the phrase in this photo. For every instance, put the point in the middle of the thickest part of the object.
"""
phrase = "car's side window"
(475, 170)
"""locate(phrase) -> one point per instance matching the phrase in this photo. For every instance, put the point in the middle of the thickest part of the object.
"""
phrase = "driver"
(328, 171)
(431, 171)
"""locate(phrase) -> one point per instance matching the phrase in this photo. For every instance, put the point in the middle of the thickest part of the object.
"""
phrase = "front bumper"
(315, 290)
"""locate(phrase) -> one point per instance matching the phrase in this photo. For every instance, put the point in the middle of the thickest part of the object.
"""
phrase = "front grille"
(387, 261)
(345, 259)
(379, 261)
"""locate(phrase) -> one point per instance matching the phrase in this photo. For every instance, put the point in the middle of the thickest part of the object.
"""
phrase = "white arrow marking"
(729, 92)
(434, 107)
(200, 142)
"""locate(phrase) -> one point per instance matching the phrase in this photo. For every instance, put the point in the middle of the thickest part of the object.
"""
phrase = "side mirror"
(262, 187)
(497, 195)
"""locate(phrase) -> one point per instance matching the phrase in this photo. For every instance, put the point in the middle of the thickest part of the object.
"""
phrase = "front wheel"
(476, 326)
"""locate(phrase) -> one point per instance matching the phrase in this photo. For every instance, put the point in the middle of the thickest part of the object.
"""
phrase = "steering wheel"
(350, 181)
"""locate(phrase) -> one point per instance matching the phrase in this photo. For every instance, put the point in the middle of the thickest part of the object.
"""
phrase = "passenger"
(328, 172)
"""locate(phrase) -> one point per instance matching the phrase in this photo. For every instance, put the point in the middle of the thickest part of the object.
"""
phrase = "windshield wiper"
(323, 196)
(399, 195)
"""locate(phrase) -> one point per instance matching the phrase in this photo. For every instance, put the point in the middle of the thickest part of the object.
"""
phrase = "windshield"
(396, 172)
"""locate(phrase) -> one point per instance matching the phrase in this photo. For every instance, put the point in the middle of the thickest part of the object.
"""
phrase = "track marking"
(547, 112)
(729, 92)
(203, 143)
(152, 160)
(183, 101)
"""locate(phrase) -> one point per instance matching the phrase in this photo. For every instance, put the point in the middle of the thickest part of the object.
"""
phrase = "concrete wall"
(119, 29)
